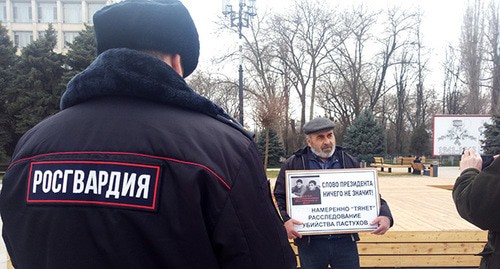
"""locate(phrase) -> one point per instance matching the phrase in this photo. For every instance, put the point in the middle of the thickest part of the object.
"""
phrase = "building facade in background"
(27, 20)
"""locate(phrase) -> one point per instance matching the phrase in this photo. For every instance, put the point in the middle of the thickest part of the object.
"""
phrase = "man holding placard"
(336, 248)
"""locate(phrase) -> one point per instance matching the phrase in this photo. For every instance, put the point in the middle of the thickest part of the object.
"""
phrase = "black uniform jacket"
(300, 161)
(139, 171)
(477, 198)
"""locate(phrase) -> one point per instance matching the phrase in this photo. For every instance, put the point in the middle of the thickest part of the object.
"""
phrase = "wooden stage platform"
(428, 231)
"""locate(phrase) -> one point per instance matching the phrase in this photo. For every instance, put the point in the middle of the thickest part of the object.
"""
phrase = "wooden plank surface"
(419, 261)
(419, 248)
(427, 236)
(412, 248)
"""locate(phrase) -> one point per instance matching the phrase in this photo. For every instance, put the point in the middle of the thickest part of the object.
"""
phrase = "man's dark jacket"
(300, 161)
(139, 171)
(477, 198)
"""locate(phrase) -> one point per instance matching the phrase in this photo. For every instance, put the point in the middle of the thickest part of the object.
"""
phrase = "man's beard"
(322, 154)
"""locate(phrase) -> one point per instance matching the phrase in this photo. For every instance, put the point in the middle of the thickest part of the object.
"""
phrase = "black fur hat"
(161, 25)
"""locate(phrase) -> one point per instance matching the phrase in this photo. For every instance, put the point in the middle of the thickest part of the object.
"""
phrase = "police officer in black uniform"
(137, 170)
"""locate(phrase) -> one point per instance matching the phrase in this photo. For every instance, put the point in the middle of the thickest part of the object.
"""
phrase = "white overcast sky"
(441, 25)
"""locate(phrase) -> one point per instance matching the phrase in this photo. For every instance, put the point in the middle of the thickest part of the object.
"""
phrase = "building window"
(3, 12)
(92, 9)
(22, 12)
(47, 12)
(22, 39)
(69, 37)
(72, 12)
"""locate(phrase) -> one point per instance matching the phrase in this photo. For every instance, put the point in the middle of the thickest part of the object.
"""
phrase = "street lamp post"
(240, 19)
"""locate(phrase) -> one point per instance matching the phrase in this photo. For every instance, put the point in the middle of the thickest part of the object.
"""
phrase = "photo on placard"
(310, 193)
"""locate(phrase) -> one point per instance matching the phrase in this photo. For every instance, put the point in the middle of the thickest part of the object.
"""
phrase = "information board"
(453, 133)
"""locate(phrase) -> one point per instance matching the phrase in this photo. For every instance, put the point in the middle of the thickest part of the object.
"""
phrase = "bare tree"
(218, 88)
(420, 97)
(343, 91)
(401, 78)
(265, 84)
(336, 101)
(453, 97)
(302, 38)
(400, 24)
(268, 110)
(471, 46)
(268, 79)
(357, 79)
(493, 42)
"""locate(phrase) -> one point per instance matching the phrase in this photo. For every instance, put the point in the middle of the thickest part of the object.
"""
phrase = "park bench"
(414, 249)
(418, 169)
(408, 160)
(378, 162)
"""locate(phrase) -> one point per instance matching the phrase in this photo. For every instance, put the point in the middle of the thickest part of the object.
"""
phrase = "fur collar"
(127, 72)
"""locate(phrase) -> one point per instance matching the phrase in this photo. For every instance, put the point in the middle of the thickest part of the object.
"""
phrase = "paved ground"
(422, 203)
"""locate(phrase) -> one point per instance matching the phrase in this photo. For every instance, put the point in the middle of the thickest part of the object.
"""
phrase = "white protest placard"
(333, 200)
